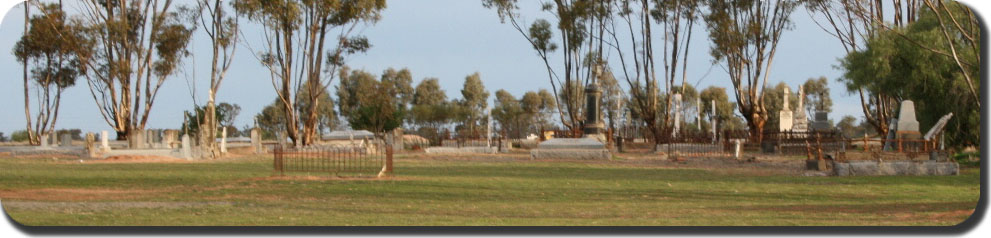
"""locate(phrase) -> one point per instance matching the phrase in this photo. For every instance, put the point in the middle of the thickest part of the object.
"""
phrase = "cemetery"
(589, 132)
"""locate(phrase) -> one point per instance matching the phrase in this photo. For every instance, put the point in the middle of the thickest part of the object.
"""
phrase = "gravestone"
(170, 138)
(223, 140)
(821, 121)
(256, 140)
(800, 123)
(66, 139)
(53, 140)
(785, 116)
(104, 141)
(590, 147)
(187, 150)
(91, 144)
(136, 139)
(908, 127)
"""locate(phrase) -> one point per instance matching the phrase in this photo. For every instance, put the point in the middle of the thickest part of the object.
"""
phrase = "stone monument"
(256, 140)
(104, 141)
(785, 116)
(187, 150)
(223, 140)
(66, 139)
(908, 127)
(801, 121)
(136, 139)
(593, 145)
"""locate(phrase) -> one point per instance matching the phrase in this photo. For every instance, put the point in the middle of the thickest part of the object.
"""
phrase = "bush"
(19, 136)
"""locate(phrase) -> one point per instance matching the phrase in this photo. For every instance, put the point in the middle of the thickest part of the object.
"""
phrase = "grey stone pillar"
(187, 150)
(223, 140)
(66, 139)
(104, 141)
(136, 139)
(256, 140)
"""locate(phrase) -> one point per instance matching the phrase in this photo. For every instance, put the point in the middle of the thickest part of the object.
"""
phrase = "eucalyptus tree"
(369, 104)
(581, 25)
(222, 28)
(137, 46)
(296, 33)
(745, 36)
(430, 108)
(48, 47)
(474, 100)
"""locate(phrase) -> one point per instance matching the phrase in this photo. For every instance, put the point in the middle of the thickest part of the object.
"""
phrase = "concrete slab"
(887, 168)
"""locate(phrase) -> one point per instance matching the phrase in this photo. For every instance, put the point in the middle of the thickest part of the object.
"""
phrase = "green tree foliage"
(2, 137)
(297, 32)
(378, 112)
(193, 120)
(430, 107)
(474, 101)
(508, 112)
(817, 96)
(848, 126)
(725, 113)
(20, 136)
(272, 119)
(907, 63)
(745, 35)
(52, 45)
(230, 112)
(136, 46)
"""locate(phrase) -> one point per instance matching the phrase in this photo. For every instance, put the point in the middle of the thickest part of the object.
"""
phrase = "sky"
(444, 39)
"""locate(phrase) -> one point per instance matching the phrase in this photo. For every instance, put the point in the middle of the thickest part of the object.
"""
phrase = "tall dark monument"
(592, 124)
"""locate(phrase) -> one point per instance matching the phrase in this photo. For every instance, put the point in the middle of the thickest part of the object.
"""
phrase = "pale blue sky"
(446, 39)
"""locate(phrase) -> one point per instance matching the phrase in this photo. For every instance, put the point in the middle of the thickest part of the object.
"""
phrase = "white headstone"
(938, 127)
(801, 121)
(906, 118)
(785, 116)
(104, 141)
(223, 140)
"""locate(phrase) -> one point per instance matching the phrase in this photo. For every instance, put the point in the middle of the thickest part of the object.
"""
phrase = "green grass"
(471, 192)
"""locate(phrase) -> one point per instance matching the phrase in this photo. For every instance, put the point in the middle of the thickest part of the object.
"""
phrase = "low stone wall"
(462, 150)
(690, 147)
(874, 168)
(577, 154)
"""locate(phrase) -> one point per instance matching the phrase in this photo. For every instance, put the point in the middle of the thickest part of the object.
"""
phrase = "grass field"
(452, 191)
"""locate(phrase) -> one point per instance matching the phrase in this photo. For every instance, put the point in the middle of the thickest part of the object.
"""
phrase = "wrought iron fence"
(341, 160)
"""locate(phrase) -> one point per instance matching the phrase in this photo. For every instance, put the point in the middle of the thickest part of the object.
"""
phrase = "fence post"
(899, 145)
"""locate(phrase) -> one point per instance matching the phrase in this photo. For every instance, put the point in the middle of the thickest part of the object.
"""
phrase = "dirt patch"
(75, 194)
(139, 159)
(49, 156)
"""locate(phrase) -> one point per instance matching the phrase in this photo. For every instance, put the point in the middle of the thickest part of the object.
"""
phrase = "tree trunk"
(32, 138)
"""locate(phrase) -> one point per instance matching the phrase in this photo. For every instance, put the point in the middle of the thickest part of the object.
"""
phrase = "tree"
(430, 107)
(848, 126)
(474, 100)
(377, 112)
(508, 112)
(49, 45)
(539, 108)
(892, 63)
(2, 137)
(612, 98)
(230, 112)
(296, 32)
(817, 96)
(852, 22)
(272, 118)
(688, 105)
(725, 110)
(582, 28)
(745, 36)
(137, 46)
(222, 30)
(192, 123)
